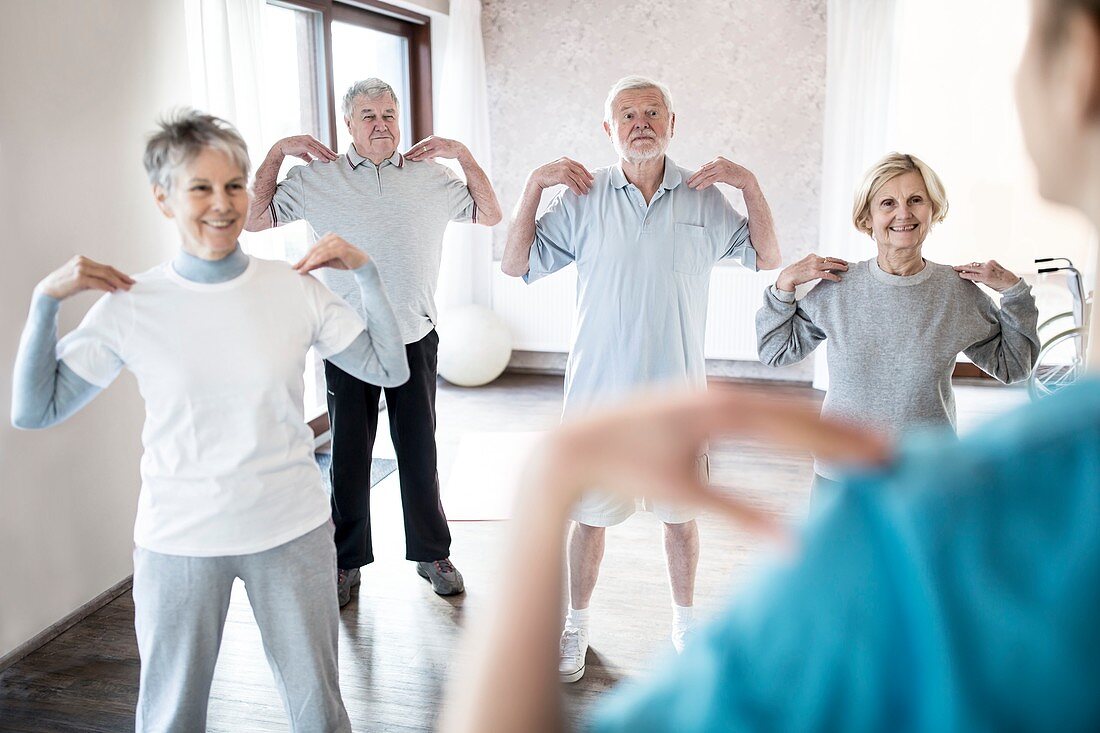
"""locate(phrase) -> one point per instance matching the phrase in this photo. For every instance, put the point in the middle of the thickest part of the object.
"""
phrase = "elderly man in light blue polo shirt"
(645, 235)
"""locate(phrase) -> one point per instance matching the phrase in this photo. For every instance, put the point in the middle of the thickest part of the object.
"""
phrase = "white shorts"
(601, 509)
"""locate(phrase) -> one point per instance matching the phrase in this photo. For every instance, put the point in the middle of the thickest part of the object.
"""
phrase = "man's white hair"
(372, 88)
(634, 82)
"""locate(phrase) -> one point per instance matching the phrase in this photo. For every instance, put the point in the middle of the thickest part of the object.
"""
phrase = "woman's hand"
(332, 251)
(989, 273)
(81, 273)
(651, 447)
(811, 267)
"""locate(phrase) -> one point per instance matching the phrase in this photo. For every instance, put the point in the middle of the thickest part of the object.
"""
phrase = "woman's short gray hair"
(371, 88)
(635, 82)
(182, 136)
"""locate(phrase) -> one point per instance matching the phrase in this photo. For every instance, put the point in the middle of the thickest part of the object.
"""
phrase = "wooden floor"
(398, 640)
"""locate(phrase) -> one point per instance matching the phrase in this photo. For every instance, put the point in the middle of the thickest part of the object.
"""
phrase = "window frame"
(415, 27)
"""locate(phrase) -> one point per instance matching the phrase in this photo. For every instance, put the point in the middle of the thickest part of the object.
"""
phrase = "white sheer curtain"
(860, 73)
(463, 114)
(225, 51)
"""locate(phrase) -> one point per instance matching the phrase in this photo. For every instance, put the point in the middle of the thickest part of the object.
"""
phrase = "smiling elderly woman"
(217, 341)
(896, 322)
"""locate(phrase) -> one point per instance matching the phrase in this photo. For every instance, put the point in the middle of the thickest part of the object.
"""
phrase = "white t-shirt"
(228, 467)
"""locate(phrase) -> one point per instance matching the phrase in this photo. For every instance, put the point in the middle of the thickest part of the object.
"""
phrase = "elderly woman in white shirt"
(217, 341)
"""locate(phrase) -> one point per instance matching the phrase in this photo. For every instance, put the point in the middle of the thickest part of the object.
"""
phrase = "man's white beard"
(641, 156)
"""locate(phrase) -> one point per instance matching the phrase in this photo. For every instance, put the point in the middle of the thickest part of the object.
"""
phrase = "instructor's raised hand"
(81, 273)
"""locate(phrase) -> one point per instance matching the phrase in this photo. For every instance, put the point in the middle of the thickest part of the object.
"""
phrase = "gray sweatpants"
(180, 607)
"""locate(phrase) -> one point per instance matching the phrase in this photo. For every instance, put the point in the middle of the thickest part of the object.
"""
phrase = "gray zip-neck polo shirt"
(396, 212)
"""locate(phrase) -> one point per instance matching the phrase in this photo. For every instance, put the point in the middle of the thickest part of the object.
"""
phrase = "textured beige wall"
(82, 83)
(747, 79)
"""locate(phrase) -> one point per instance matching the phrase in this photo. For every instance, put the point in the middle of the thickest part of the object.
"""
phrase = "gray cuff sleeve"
(1020, 288)
(782, 296)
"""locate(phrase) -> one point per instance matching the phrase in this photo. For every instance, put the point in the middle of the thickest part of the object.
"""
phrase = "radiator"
(540, 315)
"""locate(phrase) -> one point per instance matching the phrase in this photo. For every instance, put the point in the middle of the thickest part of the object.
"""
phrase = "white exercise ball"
(474, 346)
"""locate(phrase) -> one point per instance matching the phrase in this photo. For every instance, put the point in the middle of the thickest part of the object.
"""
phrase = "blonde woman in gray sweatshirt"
(896, 322)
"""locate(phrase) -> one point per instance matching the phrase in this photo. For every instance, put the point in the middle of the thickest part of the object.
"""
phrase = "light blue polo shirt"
(643, 277)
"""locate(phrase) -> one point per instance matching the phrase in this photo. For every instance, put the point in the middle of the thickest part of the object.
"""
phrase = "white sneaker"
(574, 647)
(680, 634)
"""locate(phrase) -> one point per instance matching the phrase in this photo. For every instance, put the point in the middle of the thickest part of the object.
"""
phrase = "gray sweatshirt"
(893, 340)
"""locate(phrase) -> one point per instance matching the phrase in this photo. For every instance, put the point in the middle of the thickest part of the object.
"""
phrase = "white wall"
(82, 84)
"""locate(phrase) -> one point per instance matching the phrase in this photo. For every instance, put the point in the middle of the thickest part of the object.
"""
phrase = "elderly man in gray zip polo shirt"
(395, 208)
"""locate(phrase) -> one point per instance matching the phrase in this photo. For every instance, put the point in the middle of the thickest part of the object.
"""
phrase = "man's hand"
(332, 251)
(811, 267)
(563, 171)
(81, 273)
(988, 273)
(721, 170)
(307, 148)
(438, 147)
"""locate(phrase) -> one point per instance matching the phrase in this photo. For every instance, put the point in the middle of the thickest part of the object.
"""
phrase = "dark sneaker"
(345, 581)
(445, 578)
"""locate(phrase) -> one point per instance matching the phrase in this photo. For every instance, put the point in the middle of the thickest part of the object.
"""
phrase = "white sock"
(576, 618)
(682, 616)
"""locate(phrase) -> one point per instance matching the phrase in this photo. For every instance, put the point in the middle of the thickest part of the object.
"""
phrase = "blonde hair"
(890, 167)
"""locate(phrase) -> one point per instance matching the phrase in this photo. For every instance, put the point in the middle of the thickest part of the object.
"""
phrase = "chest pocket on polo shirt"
(692, 252)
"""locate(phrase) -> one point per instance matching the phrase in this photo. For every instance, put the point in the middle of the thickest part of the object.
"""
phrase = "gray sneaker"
(445, 578)
(345, 581)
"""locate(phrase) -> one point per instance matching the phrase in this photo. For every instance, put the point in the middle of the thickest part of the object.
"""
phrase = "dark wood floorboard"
(398, 640)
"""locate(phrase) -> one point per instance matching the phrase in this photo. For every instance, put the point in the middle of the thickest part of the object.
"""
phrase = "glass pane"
(292, 105)
(359, 53)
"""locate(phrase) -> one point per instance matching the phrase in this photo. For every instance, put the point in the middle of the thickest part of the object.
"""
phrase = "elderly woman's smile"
(208, 201)
(901, 212)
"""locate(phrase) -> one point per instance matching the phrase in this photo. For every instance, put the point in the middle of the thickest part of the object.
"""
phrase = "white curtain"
(225, 51)
(860, 72)
(463, 115)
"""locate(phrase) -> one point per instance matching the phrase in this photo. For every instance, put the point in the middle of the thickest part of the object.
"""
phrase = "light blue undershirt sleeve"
(377, 355)
(44, 390)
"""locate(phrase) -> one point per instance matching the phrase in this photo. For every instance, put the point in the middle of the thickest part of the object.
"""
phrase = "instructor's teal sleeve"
(957, 591)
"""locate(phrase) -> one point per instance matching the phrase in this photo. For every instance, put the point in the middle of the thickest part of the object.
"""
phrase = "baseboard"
(52, 632)
(545, 362)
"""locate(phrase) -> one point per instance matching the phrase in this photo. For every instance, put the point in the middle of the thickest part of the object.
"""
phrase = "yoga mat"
(485, 475)
(380, 468)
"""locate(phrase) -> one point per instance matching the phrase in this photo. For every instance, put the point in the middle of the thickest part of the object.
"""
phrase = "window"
(313, 51)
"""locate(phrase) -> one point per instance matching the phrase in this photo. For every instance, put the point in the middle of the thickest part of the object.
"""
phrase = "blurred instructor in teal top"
(953, 586)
